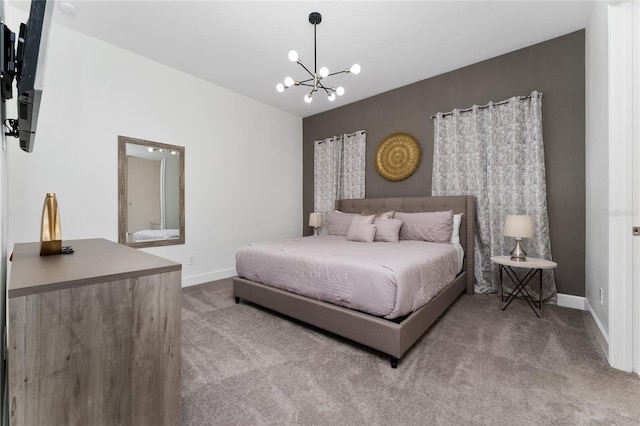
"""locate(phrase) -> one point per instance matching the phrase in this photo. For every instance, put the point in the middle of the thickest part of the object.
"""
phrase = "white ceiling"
(243, 45)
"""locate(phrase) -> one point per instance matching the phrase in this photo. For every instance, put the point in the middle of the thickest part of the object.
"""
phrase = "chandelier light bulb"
(332, 96)
(293, 56)
(280, 87)
(288, 81)
(355, 69)
(308, 98)
(340, 91)
(324, 71)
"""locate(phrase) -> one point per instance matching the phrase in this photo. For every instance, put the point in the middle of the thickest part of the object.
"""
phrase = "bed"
(393, 333)
(154, 234)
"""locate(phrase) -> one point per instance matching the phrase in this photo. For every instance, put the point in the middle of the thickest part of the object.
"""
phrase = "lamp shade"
(518, 226)
(315, 220)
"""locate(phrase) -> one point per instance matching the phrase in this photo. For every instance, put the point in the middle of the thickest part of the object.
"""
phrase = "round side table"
(534, 266)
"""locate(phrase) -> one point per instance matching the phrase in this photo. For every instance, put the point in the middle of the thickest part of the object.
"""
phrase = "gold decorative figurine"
(50, 233)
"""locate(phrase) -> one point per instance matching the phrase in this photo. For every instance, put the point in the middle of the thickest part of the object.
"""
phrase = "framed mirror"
(150, 193)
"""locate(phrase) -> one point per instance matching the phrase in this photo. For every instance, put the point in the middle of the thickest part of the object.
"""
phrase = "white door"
(624, 192)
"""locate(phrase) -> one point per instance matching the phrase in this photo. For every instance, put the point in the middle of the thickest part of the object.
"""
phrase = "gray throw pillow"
(427, 226)
(387, 230)
(361, 232)
(339, 222)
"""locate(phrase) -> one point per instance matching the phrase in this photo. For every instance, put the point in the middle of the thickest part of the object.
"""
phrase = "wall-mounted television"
(27, 65)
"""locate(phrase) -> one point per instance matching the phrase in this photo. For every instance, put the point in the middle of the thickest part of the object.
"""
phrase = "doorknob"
(636, 230)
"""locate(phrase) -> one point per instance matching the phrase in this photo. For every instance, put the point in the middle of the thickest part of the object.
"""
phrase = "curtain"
(495, 152)
(338, 171)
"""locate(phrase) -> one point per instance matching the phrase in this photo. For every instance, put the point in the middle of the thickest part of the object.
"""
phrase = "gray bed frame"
(386, 336)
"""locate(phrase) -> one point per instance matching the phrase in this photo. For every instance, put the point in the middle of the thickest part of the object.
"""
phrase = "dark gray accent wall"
(555, 67)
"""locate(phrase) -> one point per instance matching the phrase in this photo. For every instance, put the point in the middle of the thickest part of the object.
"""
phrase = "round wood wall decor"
(398, 156)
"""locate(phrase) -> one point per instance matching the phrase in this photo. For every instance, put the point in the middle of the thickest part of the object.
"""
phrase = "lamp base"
(518, 253)
(315, 231)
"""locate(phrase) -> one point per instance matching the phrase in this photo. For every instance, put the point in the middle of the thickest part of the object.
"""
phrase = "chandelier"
(315, 81)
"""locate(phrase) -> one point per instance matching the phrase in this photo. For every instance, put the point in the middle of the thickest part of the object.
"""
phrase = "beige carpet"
(476, 366)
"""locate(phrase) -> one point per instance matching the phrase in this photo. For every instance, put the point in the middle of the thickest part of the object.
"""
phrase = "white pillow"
(455, 235)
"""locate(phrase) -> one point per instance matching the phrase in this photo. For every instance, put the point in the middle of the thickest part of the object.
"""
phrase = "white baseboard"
(570, 301)
(601, 334)
(582, 303)
(207, 277)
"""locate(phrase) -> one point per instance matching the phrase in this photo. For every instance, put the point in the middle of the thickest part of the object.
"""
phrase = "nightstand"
(534, 266)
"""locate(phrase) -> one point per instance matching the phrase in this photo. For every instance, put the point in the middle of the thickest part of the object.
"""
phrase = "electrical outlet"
(192, 260)
(601, 298)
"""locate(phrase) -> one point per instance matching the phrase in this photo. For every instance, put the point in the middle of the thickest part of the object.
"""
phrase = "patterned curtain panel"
(496, 153)
(338, 171)
(351, 179)
(324, 178)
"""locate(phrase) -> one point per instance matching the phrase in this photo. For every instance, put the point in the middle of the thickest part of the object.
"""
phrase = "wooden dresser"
(94, 337)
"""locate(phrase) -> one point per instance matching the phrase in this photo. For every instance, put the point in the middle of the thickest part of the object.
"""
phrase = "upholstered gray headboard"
(459, 204)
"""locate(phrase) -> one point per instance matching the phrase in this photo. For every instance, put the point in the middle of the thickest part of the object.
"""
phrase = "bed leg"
(394, 362)
(237, 300)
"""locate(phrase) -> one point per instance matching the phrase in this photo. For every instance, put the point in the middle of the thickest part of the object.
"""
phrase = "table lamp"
(518, 227)
(315, 220)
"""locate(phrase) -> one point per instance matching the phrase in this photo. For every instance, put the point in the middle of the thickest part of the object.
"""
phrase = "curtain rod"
(341, 136)
(506, 101)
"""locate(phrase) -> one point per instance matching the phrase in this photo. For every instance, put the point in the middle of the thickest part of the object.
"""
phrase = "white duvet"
(155, 234)
(383, 279)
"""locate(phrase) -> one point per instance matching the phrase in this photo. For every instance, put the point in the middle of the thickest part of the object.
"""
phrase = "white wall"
(597, 167)
(243, 178)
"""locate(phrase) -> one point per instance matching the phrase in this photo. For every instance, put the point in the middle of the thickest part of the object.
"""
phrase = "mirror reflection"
(151, 193)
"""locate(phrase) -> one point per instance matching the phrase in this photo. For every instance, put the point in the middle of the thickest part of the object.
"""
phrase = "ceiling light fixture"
(68, 8)
(315, 82)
